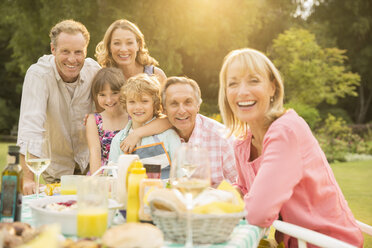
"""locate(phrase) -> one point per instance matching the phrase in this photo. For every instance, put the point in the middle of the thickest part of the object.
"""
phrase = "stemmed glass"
(190, 174)
(37, 157)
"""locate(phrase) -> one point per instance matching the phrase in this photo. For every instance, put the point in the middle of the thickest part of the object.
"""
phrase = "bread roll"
(167, 200)
(133, 235)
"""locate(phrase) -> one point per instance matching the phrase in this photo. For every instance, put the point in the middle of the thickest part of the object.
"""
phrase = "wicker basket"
(207, 228)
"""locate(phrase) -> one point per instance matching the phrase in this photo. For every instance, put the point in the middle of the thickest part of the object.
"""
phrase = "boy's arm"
(155, 127)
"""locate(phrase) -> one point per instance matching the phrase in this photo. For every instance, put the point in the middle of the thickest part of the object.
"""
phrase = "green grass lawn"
(354, 179)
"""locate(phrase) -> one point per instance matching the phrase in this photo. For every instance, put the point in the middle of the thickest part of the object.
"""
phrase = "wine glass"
(37, 157)
(190, 174)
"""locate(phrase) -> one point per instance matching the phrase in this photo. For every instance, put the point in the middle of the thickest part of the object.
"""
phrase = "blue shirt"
(170, 139)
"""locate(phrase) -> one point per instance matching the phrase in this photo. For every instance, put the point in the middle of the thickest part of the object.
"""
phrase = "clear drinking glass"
(69, 184)
(38, 155)
(92, 200)
(190, 174)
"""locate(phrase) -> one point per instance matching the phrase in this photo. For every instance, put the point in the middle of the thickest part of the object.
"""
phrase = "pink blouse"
(293, 178)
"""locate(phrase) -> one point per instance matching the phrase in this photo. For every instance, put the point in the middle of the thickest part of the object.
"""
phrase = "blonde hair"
(112, 76)
(70, 27)
(252, 61)
(182, 80)
(103, 53)
(141, 84)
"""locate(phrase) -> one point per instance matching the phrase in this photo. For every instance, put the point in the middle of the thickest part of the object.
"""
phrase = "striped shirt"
(47, 106)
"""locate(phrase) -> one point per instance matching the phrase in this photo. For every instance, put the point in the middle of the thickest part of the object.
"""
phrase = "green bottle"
(11, 188)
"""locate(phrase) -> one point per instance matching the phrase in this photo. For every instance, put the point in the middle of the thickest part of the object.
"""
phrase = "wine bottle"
(11, 188)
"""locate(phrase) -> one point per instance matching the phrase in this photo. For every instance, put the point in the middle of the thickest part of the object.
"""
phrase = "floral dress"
(105, 138)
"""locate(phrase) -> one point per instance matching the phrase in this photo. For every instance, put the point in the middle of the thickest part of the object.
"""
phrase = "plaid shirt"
(210, 134)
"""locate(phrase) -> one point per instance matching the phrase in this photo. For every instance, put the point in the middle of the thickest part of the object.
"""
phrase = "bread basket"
(207, 228)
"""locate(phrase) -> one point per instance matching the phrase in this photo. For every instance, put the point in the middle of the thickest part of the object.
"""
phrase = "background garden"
(323, 48)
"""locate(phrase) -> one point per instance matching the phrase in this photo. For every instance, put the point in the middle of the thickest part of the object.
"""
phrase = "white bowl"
(67, 219)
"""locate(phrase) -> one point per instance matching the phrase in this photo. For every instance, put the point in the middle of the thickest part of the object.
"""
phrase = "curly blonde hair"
(141, 84)
(103, 53)
(255, 62)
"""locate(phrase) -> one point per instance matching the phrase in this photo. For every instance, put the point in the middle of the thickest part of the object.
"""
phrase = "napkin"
(224, 199)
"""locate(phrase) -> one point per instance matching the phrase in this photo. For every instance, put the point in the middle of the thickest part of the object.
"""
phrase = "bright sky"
(307, 4)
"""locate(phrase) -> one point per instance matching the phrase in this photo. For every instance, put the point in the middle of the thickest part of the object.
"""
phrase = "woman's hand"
(130, 142)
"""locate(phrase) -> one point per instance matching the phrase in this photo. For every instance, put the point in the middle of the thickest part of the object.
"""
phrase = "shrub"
(336, 139)
(357, 157)
(8, 117)
(209, 108)
(216, 117)
(337, 112)
(310, 114)
(363, 130)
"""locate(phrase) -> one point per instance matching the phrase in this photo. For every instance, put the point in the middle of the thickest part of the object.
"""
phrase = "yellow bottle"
(137, 173)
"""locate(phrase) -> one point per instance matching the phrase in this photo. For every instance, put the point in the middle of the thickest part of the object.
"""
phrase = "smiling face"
(108, 99)
(140, 109)
(70, 54)
(123, 47)
(181, 106)
(248, 94)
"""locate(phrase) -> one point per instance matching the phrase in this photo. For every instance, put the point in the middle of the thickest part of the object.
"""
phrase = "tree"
(350, 24)
(24, 37)
(187, 37)
(312, 74)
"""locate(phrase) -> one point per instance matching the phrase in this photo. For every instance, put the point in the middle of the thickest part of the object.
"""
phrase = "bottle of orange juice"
(137, 173)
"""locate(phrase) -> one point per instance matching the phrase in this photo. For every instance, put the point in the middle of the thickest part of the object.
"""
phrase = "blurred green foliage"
(310, 114)
(348, 26)
(337, 139)
(192, 37)
(312, 74)
(186, 37)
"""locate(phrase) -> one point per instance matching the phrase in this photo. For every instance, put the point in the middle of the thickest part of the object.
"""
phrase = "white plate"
(67, 219)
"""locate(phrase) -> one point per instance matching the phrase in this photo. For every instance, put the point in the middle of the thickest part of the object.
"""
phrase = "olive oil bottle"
(11, 188)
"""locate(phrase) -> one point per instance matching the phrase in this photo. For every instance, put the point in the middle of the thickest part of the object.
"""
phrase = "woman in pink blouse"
(282, 171)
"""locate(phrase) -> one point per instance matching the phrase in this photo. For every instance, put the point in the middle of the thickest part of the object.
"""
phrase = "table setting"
(183, 211)
(243, 235)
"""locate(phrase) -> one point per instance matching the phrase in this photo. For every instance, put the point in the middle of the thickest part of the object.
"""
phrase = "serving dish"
(67, 219)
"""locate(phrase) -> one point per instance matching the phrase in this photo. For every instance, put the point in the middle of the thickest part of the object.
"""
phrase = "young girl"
(282, 171)
(141, 98)
(102, 127)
